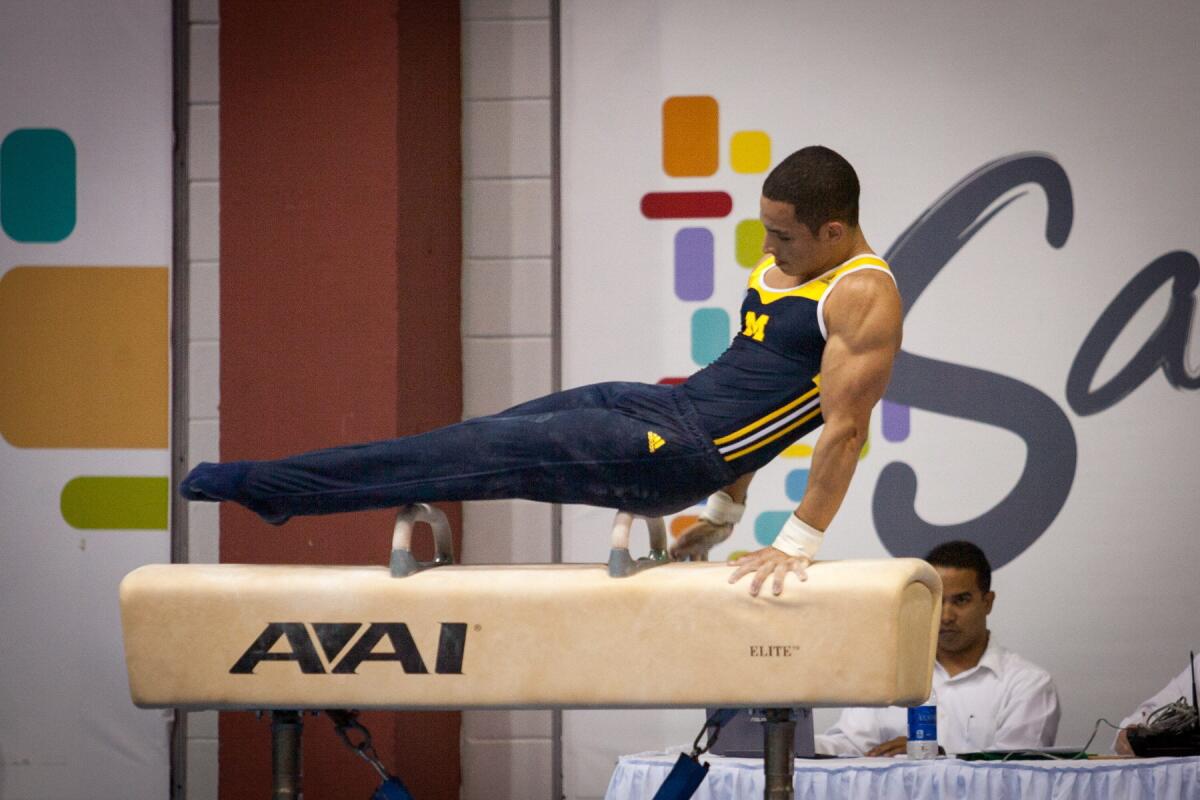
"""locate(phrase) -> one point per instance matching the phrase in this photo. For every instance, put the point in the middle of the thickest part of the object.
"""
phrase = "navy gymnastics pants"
(630, 446)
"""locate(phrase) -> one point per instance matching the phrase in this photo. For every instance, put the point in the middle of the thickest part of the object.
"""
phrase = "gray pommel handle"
(402, 562)
(620, 563)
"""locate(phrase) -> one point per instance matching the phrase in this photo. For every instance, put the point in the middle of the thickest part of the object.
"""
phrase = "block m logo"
(756, 326)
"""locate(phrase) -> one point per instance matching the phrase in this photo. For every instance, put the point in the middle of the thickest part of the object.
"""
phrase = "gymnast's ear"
(833, 231)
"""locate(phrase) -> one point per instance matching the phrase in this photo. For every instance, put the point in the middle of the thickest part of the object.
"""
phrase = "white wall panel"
(507, 324)
(204, 72)
(204, 220)
(204, 301)
(204, 142)
(97, 78)
(203, 441)
(502, 373)
(514, 768)
(506, 138)
(505, 9)
(506, 532)
(509, 59)
(507, 219)
(509, 297)
(522, 724)
(204, 392)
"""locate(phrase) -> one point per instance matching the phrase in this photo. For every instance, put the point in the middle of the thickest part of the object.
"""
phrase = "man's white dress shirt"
(1002, 703)
(1180, 686)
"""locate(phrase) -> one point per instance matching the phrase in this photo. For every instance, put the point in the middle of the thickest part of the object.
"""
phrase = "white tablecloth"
(638, 777)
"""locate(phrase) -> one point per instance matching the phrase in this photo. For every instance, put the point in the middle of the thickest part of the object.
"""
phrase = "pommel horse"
(290, 638)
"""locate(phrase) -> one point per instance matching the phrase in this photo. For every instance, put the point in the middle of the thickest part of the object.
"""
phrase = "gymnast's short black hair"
(820, 184)
(963, 555)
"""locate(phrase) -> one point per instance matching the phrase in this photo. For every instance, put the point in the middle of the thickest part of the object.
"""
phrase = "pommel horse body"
(288, 638)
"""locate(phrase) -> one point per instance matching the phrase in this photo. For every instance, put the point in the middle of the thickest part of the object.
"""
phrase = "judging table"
(637, 777)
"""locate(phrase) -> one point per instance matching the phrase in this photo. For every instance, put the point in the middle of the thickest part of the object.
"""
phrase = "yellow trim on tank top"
(813, 289)
(758, 423)
(773, 436)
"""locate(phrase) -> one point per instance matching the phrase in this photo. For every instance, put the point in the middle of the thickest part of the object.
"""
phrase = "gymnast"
(805, 356)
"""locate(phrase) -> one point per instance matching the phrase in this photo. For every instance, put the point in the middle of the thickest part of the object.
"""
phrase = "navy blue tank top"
(764, 392)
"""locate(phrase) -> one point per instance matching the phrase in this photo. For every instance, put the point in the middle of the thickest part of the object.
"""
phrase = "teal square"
(37, 185)
(710, 334)
(767, 526)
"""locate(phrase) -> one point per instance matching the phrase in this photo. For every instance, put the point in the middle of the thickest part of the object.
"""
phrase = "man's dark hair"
(819, 183)
(963, 555)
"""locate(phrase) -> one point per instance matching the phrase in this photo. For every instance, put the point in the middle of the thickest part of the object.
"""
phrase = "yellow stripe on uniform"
(773, 436)
(758, 423)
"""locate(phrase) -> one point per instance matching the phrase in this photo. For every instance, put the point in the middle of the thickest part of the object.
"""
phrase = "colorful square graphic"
(710, 334)
(767, 526)
(749, 237)
(750, 151)
(37, 185)
(690, 144)
(101, 502)
(83, 357)
(694, 264)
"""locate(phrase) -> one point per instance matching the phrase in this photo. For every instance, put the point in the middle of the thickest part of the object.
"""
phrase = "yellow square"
(750, 151)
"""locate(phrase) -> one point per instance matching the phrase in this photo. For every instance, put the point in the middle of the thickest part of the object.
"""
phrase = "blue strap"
(392, 789)
(688, 773)
(683, 780)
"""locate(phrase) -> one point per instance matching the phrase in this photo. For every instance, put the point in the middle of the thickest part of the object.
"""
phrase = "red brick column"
(340, 267)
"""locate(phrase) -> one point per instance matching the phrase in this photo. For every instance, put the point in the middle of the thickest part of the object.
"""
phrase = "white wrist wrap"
(798, 538)
(722, 510)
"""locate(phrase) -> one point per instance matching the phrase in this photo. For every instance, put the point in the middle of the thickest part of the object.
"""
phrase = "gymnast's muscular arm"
(863, 322)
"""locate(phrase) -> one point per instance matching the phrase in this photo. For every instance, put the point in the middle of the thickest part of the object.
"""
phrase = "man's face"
(964, 610)
(797, 251)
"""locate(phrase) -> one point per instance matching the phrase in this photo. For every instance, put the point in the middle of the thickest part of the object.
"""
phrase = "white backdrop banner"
(85, 248)
(1029, 170)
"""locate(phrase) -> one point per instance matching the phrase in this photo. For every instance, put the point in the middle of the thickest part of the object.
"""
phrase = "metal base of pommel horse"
(286, 769)
(779, 757)
(295, 639)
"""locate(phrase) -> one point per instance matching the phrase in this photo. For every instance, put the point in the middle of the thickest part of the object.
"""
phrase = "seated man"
(1179, 687)
(987, 698)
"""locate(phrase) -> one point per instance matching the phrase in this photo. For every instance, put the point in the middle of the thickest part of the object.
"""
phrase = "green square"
(749, 236)
(37, 185)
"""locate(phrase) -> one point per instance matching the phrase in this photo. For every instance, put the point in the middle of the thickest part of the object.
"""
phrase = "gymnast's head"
(819, 184)
(809, 208)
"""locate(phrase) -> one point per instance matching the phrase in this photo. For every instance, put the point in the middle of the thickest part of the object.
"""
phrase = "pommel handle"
(620, 563)
(403, 563)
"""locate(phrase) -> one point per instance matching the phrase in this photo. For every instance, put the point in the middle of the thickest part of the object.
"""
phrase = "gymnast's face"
(964, 610)
(798, 252)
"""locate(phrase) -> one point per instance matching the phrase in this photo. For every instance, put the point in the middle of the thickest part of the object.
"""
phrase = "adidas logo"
(654, 440)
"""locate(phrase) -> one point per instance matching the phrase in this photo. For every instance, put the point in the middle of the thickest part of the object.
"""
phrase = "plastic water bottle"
(922, 732)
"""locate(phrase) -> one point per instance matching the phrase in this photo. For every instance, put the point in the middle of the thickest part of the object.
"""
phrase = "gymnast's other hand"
(769, 562)
(700, 537)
